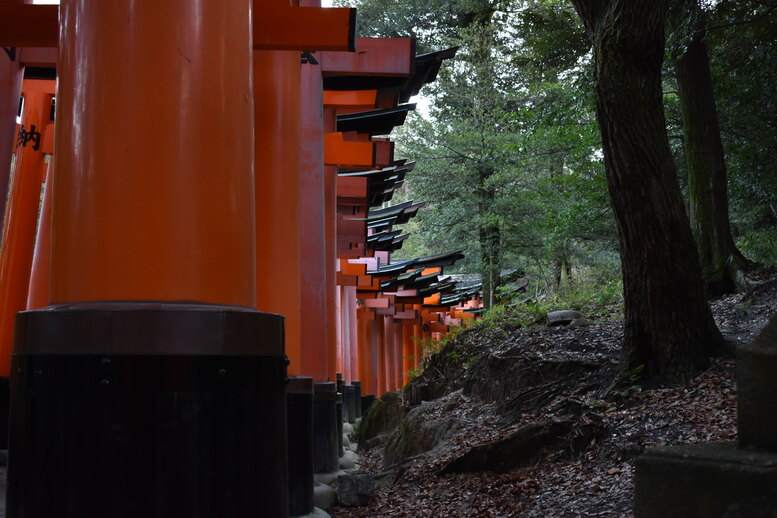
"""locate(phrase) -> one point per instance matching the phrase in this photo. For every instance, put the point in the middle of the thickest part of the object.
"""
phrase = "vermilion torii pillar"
(11, 73)
(151, 385)
(278, 257)
(150, 339)
(280, 172)
(315, 276)
(18, 242)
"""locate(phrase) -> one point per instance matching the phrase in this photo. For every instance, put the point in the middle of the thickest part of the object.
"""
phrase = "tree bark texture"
(490, 237)
(669, 332)
(722, 264)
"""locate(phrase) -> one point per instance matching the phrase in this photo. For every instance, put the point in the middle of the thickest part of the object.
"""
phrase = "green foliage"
(509, 154)
(629, 381)
(596, 301)
(508, 159)
(759, 245)
(740, 37)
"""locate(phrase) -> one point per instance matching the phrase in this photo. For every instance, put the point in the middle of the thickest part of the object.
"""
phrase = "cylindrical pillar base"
(147, 412)
(349, 404)
(357, 398)
(339, 407)
(299, 400)
(325, 445)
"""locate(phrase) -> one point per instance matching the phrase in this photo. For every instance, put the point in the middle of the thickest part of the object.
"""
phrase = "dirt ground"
(593, 474)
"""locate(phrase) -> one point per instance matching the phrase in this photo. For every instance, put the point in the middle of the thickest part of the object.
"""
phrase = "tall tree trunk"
(669, 331)
(490, 237)
(722, 264)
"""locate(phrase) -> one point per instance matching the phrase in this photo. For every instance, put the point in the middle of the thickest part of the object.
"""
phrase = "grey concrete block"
(713, 480)
(757, 390)
(563, 317)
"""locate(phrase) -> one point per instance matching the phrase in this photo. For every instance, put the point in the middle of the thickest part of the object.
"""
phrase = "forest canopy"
(509, 154)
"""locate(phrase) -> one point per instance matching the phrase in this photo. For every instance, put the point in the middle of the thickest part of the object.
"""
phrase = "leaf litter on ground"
(592, 479)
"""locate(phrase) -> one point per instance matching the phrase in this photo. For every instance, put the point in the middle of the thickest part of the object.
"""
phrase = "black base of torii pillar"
(191, 423)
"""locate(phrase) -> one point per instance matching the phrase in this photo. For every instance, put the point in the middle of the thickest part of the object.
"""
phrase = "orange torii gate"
(349, 149)
(33, 146)
(363, 94)
(162, 252)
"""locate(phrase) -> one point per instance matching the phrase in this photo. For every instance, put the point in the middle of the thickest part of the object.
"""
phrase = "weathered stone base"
(712, 480)
(757, 390)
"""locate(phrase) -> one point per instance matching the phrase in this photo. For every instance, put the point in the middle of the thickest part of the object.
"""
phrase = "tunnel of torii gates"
(211, 201)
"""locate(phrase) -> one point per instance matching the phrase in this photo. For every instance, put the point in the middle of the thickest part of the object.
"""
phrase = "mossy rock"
(383, 416)
(418, 434)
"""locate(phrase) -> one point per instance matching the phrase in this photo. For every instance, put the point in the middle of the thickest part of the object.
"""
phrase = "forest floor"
(591, 472)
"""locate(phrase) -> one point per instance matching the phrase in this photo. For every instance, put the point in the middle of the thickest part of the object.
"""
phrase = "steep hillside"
(513, 421)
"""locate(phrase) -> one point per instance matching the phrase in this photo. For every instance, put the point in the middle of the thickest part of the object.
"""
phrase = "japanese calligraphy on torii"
(25, 137)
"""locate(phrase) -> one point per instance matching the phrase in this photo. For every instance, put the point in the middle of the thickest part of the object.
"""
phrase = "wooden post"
(277, 141)
(18, 241)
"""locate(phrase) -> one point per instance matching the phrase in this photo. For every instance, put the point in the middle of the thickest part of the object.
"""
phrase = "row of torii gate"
(214, 164)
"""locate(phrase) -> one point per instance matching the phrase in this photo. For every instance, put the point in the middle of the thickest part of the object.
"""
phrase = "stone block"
(712, 480)
(563, 317)
(757, 390)
(355, 490)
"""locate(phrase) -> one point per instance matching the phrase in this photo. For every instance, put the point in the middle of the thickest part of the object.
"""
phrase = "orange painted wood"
(24, 25)
(417, 349)
(379, 348)
(408, 314)
(21, 215)
(276, 26)
(277, 171)
(330, 226)
(11, 74)
(340, 342)
(384, 152)
(432, 300)
(350, 268)
(311, 233)
(343, 150)
(348, 249)
(385, 355)
(38, 56)
(38, 292)
(349, 295)
(154, 199)
(364, 99)
(283, 27)
(347, 280)
(369, 282)
(428, 317)
(354, 231)
(407, 350)
(352, 187)
(377, 303)
(47, 141)
(367, 357)
(397, 369)
(438, 327)
(373, 56)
